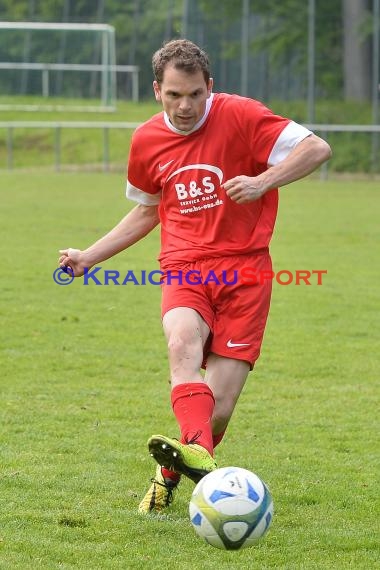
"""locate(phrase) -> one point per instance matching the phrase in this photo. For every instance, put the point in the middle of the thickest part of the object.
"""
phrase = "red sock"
(193, 404)
(173, 475)
(216, 439)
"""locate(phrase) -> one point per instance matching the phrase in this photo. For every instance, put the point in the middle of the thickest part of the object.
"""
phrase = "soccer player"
(206, 168)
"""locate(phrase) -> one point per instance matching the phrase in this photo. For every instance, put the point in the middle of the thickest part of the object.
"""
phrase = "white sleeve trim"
(289, 137)
(141, 197)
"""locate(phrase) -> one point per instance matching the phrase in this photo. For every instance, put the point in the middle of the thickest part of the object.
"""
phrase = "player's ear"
(157, 90)
(209, 86)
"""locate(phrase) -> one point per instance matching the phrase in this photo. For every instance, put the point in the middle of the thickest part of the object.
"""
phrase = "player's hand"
(243, 189)
(73, 259)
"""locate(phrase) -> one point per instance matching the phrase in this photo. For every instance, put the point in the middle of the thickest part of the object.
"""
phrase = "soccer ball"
(231, 508)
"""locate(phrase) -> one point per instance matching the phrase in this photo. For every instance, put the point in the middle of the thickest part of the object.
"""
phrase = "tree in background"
(278, 34)
(356, 50)
(342, 31)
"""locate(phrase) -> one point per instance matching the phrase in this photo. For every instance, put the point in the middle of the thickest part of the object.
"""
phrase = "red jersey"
(183, 173)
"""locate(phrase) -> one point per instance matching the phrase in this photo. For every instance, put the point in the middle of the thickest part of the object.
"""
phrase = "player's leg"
(226, 378)
(192, 399)
(186, 334)
(192, 402)
(238, 333)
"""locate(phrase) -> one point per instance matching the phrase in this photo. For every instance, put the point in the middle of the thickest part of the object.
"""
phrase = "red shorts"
(232, 295)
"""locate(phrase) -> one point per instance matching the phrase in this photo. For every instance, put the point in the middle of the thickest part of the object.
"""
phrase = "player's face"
(183, 96)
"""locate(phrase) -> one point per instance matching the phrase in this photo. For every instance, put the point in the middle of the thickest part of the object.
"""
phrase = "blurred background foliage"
(277, 41)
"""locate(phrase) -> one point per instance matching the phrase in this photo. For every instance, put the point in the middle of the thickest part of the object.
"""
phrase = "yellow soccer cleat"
(159, 495)
(190, 459)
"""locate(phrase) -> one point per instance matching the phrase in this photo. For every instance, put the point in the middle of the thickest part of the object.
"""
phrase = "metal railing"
(10, 127)
(323, 130)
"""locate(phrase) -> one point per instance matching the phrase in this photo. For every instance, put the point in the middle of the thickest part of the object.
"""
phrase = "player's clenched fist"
(243, 189)
(73, 259)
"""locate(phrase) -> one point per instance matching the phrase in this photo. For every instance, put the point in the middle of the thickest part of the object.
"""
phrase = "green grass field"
(84, 383)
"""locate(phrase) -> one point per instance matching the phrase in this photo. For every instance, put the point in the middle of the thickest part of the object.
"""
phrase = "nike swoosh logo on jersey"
(161, 168)
(231, 344)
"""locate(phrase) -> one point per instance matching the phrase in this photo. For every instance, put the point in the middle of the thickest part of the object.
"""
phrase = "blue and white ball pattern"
(231, 508)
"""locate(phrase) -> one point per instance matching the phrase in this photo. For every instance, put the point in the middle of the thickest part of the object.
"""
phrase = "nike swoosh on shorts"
(231, 344)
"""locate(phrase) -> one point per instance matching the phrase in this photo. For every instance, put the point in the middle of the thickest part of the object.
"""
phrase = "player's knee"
(183, 345)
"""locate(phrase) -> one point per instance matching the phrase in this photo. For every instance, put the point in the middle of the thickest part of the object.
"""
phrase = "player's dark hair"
(182, 54)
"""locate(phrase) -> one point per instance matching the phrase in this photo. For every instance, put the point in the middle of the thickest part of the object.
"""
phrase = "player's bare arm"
(133, 227)
(310, 153)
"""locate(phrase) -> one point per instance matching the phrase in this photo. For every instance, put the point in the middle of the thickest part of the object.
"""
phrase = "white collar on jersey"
(197, 125)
